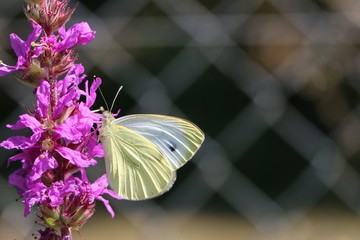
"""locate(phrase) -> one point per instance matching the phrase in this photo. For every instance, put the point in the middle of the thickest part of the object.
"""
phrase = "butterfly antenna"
(117, 93)
(102, 95)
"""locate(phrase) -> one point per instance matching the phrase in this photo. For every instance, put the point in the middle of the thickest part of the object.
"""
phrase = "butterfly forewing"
(177, 139)
(136, 168)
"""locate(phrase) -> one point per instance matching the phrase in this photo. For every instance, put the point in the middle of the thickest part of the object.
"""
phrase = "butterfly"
(143, 151)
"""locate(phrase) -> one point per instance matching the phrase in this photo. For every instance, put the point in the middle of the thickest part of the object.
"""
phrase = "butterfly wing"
(177, 138)
(136, 168)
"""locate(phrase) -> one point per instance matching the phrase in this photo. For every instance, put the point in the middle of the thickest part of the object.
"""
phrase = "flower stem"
(53, 96)
(66, 233)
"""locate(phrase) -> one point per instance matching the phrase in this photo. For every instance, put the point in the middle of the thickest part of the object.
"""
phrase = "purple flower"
(64, 139)
(66, 134)
(72, 202)
(78, 34)
(72, 130)
(23, 50)
(31, 55)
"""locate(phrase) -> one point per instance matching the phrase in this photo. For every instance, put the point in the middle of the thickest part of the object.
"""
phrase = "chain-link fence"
(274, 85)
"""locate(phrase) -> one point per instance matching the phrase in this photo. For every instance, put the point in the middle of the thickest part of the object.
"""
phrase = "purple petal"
(26, 121)
(34, 34)
(42, 163)
(21, 48)
(86, 34)
(68, 129)
(27, 208)
(37, 52)
(84, 178)
(75, 75)
(43, 98)
(17, 157)
(78, 125)
(67, 100)
(62, 31)
(55, 194)
(18, 45)
(4, 70)
(75, 157)
(72, 186)
(91, 97)
(85, 112)
(17, 179)
(112, 194)
(77, 34)
(99, 185)
(95, 149)
(27, 157)
(34, 195)
(78, 69)
(107, 205)
(19, 142)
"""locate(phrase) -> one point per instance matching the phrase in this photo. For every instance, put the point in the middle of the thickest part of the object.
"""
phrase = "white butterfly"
(143, 152)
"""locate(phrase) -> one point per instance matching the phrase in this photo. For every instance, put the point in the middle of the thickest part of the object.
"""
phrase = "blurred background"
(274, 84)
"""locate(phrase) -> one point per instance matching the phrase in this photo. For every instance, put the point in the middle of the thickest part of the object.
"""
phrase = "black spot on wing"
(171, 146)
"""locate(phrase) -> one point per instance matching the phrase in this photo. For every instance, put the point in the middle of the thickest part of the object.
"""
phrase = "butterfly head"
(107, 116)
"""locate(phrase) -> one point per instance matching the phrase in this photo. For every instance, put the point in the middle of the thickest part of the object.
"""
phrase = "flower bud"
(32, 75)
(48, 177)
(72, 213)
(52, 16)
(49, 233)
